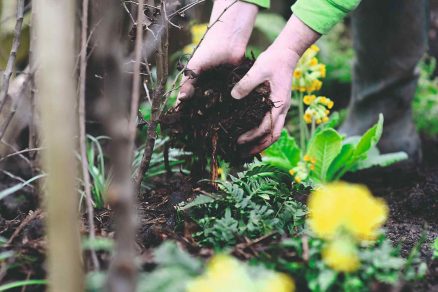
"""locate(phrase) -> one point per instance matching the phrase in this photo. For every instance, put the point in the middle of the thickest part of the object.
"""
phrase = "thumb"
(250, 81)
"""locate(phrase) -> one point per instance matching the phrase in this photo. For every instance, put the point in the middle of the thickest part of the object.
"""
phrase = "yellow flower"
(315, 85)
(298, 74)
(276, 282)
(330, 104)
(223, 273)
(308, 118)
(342, 206)
(298, 179)
(318, 121)
(312, 160)
(312, 167)
(325, 119)
(292, 172)
(314, 61)
(323, 70)
(314, 48)
(198, 31)
(341, 255)
(308, 99)
(306, 158)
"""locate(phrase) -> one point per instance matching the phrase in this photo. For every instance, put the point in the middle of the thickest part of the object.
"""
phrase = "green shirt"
(320, 15)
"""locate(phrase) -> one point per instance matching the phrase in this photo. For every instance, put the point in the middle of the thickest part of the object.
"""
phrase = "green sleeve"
(322, 15)
(261, 3)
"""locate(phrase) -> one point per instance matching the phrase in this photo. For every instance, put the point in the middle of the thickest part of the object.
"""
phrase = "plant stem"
(302, 124)
(82, 130)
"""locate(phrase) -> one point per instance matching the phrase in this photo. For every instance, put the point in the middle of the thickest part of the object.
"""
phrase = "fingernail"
(235, 94)
(241, 140)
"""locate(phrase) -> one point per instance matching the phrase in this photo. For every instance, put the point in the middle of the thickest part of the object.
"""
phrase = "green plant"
(329, 155)
(254, 203)
(425, 103)
(176, 159)
(100, 176)
(380, 262)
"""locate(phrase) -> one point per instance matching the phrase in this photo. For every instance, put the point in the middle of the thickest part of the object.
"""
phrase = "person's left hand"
(276, 66)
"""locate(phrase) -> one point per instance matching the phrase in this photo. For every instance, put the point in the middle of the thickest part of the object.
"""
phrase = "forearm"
(294, 39)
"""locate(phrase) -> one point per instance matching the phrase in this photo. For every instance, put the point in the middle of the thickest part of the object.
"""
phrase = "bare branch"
(136, 79)
(162, 59)
(82, 130)
(13, 54)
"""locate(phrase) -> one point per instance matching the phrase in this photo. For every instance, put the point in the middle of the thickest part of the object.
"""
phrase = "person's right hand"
(224, 43)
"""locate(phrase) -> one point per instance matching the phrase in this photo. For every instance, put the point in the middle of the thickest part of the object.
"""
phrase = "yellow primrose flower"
(292, 172)
(314, 48)
(322, 70)
(298, 74)
(276, 282)
(224, 273)
(341, 255)
(330, 104)
(308, 99)
(314, 61)
(350, 207)
(298, 179)
(307, 118)
(325, 119)
(306, 157)
(197, 31)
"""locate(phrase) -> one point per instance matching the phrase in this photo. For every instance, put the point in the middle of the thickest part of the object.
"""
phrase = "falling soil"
(210, 122)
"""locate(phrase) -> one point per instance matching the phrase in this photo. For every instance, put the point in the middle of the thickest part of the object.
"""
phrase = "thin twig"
(162, 59)
(173, 87)
(82, 130)
(21, 152)
(13, 54)
(136, 79)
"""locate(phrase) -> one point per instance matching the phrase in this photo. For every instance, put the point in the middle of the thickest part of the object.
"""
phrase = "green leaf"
(199, 200)
(340, 162)
(369, 139)
(23, 283)
(382, 160)
(324, 147)
(284, 154)
(17, 187)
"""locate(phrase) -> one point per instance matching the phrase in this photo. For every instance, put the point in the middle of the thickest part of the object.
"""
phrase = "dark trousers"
(390, 38)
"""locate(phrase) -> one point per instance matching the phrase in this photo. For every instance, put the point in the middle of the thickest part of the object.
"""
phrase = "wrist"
(296, 37)
(235, 25)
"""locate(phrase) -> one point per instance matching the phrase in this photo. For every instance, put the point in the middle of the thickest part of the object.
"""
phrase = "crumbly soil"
(210, 122)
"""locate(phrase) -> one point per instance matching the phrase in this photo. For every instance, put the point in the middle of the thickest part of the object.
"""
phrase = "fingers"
(266, 127)
(187, 89)
(254, 77)
(271, 138)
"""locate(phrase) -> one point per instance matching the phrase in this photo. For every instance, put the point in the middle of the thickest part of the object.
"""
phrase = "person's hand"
(225, 42)
(275, 65)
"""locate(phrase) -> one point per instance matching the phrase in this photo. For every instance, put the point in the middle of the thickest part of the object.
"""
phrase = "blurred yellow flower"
(298, 73)
(341, 255)
(224, 273)
(197, 31)
(277, 282)
(314, 48)
(314, 61)
(308, 99)
(342, 206)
